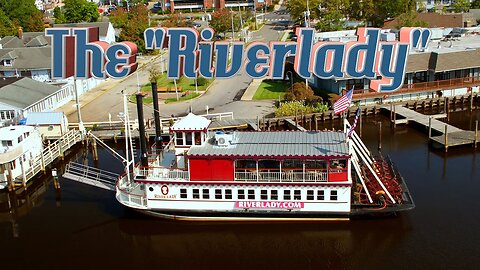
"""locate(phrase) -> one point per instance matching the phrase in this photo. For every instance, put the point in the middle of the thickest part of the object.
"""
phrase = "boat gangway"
(450, 135)
(90, 175)
(50, 153)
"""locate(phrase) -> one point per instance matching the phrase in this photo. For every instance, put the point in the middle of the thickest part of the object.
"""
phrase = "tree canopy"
(76, 11)
(222, 21)
(19, 13)
(475, 4)
(133, 24)
(461, 6)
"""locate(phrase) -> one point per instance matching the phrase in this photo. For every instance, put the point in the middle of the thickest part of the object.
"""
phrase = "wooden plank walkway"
(455, 136)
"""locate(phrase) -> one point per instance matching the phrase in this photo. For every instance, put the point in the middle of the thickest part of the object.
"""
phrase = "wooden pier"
(450, 135)
(50, 153)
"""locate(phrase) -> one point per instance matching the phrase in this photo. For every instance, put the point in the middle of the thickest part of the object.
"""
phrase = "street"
(222, 96)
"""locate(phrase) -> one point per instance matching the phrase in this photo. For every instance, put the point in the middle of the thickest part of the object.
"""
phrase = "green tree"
(475, 4)
(409, 19)
(298, 7)
(23, 13)
(461, 6)
(332, 15)
(222, 21)
(80, 11)
(136, 23)
(6, 26)
(58, 15)
(389, 9)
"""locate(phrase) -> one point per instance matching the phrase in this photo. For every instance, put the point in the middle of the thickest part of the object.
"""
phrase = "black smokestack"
(141, 129)
(156, 116)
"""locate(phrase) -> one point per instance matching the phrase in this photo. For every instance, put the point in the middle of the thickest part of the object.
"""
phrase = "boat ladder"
(90, 176)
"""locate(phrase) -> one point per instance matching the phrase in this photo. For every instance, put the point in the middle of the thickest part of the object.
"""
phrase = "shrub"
(299, 92)
(201, 81)
(291, 108)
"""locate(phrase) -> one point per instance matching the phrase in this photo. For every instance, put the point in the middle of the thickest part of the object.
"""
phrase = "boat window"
(320, 195)
(198, 138)
(50, 128)
(241, 194)
(263, 194)
(269, 164)
(20, 139)
(179, 138)
(196, 193)
(292, 164)
(297, 195)
(338, 164)
(286, 195)
(251, 194)
(228, 194)
(188, 138)
(310, 195)
(274, 194)
(183, 193)
(315, 164)
(248, 164)
(218, 194)
(206, 193)
(150, 188)
(333, 195)
(7, 143)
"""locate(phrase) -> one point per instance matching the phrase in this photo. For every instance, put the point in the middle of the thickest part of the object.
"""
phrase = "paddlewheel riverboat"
(278, 175)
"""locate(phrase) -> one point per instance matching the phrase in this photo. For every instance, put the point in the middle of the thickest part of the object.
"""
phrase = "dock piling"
(476, 134)
(379, 136)
(429, 127)
(446, 138)
(94, 150)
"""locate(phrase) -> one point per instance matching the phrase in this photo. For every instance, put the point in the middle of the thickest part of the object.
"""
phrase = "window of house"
(287, 195)
(274, 194)
(196, 193)
(188, 138)
(8, 62)
(206, 193)
(228, 194)
(333, 195)
(263, 194)
(179, 138)
(198, 138)
(183, 193)
(251, 194)
(310, 195)
(241, 194)
(320, 195)
(297, 195)
(218, 194)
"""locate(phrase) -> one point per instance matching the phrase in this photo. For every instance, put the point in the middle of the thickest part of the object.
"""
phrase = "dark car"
(157, 5)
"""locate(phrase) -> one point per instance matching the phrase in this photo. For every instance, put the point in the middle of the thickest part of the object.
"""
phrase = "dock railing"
(286, 176)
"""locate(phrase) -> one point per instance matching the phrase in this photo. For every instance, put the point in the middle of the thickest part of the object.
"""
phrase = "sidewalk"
(103, 88)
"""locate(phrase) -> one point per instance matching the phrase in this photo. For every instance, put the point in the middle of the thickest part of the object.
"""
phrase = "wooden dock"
(49, 154)
(450, 135)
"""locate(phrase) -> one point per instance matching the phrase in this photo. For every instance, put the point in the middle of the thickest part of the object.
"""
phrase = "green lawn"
(271, 90)
(186, 97)
(183, 83)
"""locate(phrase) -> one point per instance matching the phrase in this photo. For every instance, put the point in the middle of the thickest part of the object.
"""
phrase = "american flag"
(352, 128)
(342, 103)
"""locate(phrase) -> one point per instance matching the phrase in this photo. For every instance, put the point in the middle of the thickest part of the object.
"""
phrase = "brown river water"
(81, 227)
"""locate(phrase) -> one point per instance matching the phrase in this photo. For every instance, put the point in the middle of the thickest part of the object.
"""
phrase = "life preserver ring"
(164, 190)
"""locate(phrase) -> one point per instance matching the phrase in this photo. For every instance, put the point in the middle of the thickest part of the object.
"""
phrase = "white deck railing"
(131, 194)
(289, 176)
(159, 173)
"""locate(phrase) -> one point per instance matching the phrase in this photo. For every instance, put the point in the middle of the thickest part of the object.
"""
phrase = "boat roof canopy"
(191, 122)
(277, 144)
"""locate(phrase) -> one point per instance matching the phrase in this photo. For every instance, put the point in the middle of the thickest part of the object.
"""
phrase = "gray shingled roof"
(278, 144)
(11, 42)
(102, 26)
(30, 58)
(38, 41)
(23, 92)
(417, 62)
(458, 60)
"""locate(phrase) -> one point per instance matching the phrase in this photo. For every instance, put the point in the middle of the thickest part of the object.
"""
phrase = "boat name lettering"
(172, 196)
(286, 205)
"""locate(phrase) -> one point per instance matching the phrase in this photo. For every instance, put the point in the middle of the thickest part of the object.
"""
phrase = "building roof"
(12, 132)
(295, 144)
(417, 62)
(29, 58)
(11, 42)
(44, 118)
(23, 92)
(191, 122)
(38, 41)
(102, 26)
(432, 19)
(457, 60)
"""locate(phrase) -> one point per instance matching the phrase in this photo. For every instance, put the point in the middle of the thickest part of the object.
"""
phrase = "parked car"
(157, 5)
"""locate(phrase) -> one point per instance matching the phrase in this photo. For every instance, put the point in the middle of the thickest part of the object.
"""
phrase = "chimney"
(20, 32)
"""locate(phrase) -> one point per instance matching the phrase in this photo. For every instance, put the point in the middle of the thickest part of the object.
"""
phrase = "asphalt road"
(223, 96)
